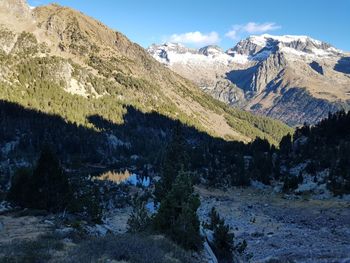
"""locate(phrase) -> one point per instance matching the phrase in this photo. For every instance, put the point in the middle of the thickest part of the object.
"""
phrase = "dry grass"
(131, 248)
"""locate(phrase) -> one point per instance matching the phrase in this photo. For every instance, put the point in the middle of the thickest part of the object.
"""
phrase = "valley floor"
(282, 228)
(277, 228)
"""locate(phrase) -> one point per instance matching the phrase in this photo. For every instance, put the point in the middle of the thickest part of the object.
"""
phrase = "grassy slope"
(68, 46)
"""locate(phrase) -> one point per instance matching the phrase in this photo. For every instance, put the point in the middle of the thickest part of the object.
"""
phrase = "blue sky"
(197, 23)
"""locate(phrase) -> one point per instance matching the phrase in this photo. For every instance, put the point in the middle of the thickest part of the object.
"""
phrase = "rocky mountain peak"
(210, 50)
(170, 47)
(290, 44)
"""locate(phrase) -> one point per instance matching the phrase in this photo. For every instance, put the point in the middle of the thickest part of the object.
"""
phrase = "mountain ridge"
(94, 62)
(254, 74)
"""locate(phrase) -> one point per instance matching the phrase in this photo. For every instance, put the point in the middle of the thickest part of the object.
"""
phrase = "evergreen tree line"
(47, 187)
(324, 146)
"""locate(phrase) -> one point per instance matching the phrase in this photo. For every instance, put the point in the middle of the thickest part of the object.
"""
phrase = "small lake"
(136, 180)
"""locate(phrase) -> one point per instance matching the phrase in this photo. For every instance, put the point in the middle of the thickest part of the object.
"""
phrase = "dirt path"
(276, 228)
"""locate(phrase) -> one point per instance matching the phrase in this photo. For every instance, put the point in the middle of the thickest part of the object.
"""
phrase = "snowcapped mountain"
(295, 79)
(172, 53)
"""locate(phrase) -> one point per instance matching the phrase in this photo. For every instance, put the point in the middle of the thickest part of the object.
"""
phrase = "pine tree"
(45, 188)
(223, 243)
(176, 159)
(51, 188)
(286, 145)
(214, 219)
(177, 217)
(21, 187)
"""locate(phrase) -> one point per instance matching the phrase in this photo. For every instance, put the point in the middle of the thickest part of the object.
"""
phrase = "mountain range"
(109, 151)
(295, 79)
(102, 71)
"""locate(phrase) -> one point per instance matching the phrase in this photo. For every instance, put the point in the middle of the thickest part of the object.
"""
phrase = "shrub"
(34, 251)
(132, 248)
(139, 219)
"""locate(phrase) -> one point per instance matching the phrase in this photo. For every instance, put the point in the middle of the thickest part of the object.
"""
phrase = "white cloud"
(196, 38)
(251, 28)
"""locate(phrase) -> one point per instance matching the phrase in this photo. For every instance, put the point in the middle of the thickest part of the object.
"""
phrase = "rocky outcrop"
(246, 47)
(18, 8)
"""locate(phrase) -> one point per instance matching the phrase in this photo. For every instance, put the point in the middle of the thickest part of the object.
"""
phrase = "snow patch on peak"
(262, 40)
(210, 50)
(171, 53)
(172, 45)
(290, 38)
(259, 47)
(258, 40)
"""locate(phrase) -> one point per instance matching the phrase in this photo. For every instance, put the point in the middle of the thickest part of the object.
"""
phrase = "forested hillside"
(99, 100)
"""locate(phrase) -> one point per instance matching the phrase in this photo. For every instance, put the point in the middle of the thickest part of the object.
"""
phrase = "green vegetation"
(133, 248)
(139, 220)
(325, 146)
(257, 126)
(47, 188)
(126, 108)
(38, 81)
(176, 216)
(174, 161)
(39, 250)
(26, 44)
(223, 239)
(291, 182)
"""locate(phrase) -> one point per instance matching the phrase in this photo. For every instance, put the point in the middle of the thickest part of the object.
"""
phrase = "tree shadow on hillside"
(141, 138)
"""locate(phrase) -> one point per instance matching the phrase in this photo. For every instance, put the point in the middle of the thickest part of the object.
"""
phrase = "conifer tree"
(21, 186)
(286, 145)
(214, 219)
(177, 216)
(223, 243)
(45, 188)
(50, 184)
(176, 159)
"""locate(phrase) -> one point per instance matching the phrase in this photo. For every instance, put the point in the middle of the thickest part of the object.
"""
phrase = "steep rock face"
(246, 47)
(254, 79)
(260, 69)
(295, 105)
